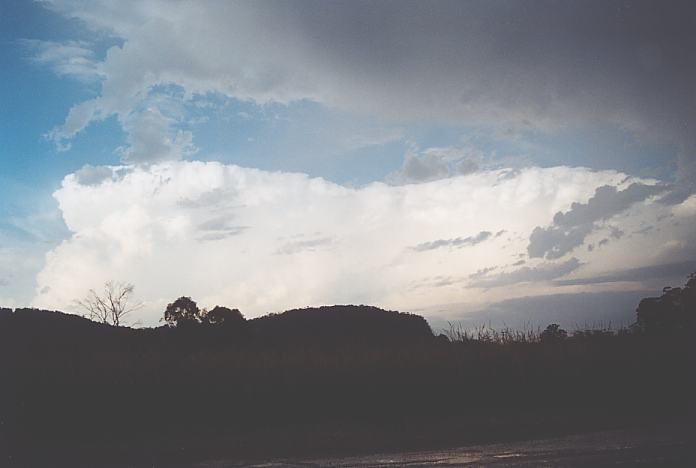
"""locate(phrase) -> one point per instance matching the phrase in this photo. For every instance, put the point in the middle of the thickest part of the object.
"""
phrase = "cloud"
(19, 264)
(480, 63)
(572, 311)
(93, 175)
(457, 242)
(267, 241)
(420, 168)
(218, 228)
(543, 272)
(71, 58)
(570, 228)
(482, 272)
(151, 139)
(435, 163)
(678, 270)
(686, 208)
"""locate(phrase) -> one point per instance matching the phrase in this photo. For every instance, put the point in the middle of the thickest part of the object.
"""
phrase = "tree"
(111, 305)
(553, 334)
(220, 315)
(182, 312)
(674, 311)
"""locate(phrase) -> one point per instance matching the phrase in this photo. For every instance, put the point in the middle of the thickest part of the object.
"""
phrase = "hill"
(322, 326)
(336, 378)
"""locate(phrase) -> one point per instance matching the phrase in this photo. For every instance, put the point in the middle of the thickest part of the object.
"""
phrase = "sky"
(501, 161)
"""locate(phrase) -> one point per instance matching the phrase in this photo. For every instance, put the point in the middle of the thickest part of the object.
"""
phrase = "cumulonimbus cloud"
(266, 241)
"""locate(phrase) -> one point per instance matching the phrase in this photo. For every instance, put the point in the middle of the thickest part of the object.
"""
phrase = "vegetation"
(212, 384)
(672, 313)
(220, 315)
(111, 305)
(182, 312)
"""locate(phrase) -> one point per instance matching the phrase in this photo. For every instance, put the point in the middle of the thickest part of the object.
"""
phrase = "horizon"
(463, 161)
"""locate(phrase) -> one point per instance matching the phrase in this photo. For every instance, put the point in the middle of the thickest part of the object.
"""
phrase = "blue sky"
(388, 103)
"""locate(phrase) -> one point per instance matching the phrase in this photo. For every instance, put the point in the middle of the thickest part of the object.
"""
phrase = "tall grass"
(485, 333)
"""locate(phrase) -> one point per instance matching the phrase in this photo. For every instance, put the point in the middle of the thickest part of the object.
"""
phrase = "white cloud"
(72, 58)
(19, 264)
(267, 241)
(687, 208)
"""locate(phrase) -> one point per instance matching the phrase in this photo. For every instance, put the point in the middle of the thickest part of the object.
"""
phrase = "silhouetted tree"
(111, 305)
(182, 312)
(553, 334)
(220, 315)
(674, 311)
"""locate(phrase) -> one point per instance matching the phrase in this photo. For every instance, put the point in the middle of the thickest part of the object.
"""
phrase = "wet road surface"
(645, 447)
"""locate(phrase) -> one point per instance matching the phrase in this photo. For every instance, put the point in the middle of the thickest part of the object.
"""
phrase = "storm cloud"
(668, 271)
(374, 144)
(570, 228)
(543, 272)
(545, 67)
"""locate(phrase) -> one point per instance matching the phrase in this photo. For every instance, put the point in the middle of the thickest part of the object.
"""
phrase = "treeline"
(213, 384)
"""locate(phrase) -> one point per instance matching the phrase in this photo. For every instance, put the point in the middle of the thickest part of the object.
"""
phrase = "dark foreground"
(342, 381)
(673, 445)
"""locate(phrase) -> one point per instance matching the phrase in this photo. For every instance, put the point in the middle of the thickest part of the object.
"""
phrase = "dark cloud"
(666, 271)
(626, 62)
(644, 230)
(435, 163)
(554, 242)
(457, 242)
(420, 169)
(571, 311)
(482, 272)
(615, 232)
(553, 65)
(570, 229)
(543, 272)
(466, 166)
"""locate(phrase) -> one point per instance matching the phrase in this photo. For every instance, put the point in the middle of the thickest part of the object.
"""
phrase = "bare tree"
(111, 305)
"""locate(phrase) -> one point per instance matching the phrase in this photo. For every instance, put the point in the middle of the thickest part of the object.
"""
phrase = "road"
(671, 446)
